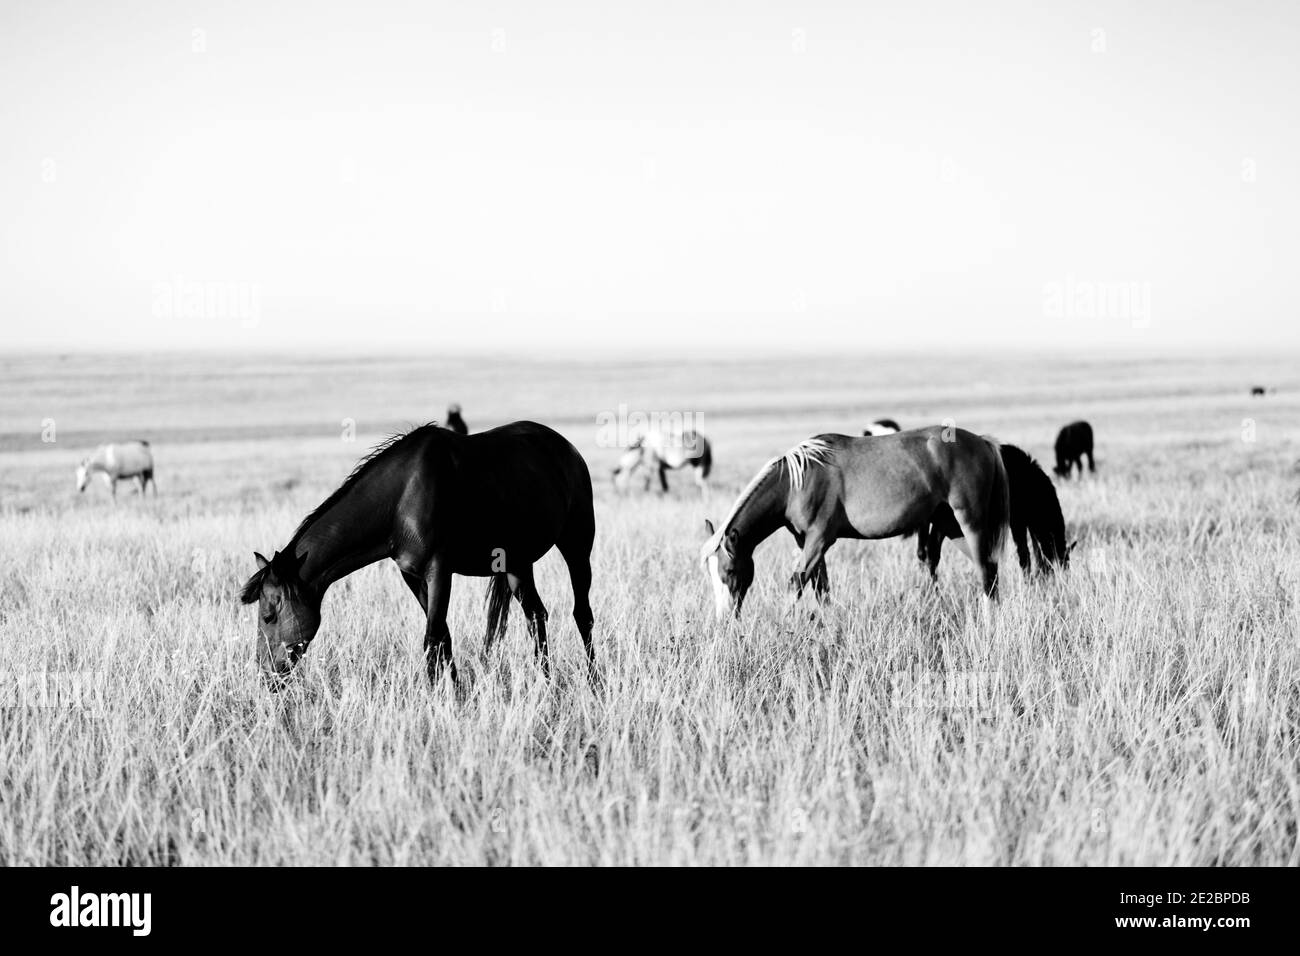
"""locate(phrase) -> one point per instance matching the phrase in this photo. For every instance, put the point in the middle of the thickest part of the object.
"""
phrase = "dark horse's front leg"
(437, 636)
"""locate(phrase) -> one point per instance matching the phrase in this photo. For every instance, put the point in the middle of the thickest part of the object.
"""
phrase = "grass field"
(1142, 709)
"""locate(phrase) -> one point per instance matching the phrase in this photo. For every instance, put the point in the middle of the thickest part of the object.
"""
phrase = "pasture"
(1141, 709)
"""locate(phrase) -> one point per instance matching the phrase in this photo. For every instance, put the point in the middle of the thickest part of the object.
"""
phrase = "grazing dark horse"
(833, 486)
(881, 426)
(1072, 443)
(1035, 519)
(438, 504)
(454, 422)
(1258, 391)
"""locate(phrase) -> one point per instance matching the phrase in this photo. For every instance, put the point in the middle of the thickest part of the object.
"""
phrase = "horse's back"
(529, 443)
(526, 465)
(1076, 436)
(126, 459)
(893, 483)
(676, 449)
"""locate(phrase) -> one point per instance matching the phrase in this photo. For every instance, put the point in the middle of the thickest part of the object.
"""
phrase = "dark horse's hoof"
(437, 670)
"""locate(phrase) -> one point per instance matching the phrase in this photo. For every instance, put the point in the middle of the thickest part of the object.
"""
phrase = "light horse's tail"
(498, 609)
(998, 516)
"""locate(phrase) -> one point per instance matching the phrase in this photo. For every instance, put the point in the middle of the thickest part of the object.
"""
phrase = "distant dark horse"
(438, 504)
(1072, 443)
(454, 422)
(881, 426)
(833, 487)
(1258, 391)
(1035, 515)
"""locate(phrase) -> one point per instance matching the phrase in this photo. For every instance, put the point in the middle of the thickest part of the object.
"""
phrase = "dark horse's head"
(288, 614)
(730, 572)
(1035, 509)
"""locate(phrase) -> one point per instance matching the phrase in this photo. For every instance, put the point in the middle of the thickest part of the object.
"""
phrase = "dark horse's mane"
(283, 563)
(1035, 507)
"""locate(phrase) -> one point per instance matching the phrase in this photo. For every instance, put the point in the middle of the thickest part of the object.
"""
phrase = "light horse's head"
(730, 572)
(83, 474)
(288, 615)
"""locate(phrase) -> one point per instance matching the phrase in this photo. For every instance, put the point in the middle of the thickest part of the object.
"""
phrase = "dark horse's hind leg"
(580, 576)
(575, 548)
(929, 548)
(521, 583)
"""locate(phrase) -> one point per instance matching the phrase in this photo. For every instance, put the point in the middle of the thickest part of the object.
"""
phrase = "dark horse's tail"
(498, 609)
(1035, 512)
(705, 461)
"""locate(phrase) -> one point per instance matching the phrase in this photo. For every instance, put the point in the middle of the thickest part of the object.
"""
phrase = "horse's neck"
(351, 533)
(763, 513)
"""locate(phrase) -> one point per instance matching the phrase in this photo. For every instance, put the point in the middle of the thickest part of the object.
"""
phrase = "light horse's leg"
(437, 636)
(978, 543)
(810, 565)
(521, 583)
(929, 548)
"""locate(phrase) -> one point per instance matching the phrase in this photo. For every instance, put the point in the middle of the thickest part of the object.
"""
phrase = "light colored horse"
(118, 461)
(832, 486)
(658, 451)
(881, 426)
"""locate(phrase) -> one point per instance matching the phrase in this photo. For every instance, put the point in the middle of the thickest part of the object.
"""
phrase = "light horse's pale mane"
(810, 451)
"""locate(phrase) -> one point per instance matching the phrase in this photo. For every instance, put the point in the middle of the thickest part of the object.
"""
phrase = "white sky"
(495, 175)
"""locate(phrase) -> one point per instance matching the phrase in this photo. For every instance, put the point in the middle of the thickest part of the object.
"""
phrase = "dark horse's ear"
(708, 526)
(262, 563)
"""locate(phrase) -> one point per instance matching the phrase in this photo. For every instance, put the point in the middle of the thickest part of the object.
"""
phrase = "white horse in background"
(881, 426)
(114, 462)
(657, 451)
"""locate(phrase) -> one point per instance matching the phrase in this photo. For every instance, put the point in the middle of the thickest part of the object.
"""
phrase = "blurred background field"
(1143, 709)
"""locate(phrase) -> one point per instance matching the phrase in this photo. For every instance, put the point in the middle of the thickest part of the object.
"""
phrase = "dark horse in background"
(454, 421)
(437, 504)
(1036, 519)
(1073, 442)
(833, 486)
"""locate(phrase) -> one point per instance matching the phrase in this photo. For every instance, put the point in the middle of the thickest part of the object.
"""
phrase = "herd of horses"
(439, 501)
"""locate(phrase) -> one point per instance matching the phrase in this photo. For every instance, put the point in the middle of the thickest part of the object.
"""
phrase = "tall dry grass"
(1142, 709)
